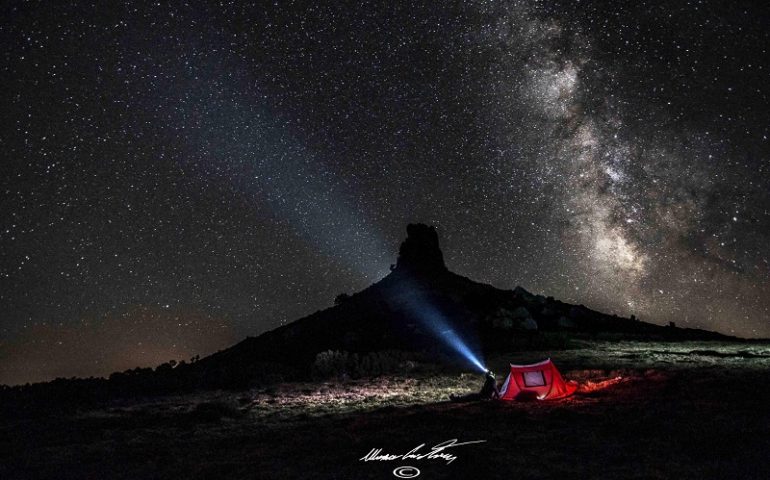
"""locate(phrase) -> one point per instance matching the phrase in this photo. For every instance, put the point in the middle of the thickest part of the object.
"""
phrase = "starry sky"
(178, 176)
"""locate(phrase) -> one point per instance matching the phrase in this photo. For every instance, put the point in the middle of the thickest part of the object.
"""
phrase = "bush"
(341, 364)
(330, 363)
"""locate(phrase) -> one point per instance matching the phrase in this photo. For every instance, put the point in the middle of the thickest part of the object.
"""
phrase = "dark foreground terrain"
(684, 410)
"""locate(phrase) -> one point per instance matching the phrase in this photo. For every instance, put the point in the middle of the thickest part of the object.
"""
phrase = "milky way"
(178, 177)
(633, 203)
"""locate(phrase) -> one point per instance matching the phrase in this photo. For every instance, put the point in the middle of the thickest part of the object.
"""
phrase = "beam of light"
(423, 310)
(241, 138)
(262, 156)
(462, 348)
(268, 164)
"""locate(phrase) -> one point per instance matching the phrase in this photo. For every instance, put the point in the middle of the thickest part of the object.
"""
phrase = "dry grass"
(694, 410)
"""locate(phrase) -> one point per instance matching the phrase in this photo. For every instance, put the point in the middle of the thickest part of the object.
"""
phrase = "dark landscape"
(305, 401)
(474, 240)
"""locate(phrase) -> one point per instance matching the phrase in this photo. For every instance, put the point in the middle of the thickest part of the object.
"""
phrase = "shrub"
(341, 364)
(330, 363)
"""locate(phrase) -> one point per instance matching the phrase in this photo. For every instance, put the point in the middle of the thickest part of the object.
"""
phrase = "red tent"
(539, 380)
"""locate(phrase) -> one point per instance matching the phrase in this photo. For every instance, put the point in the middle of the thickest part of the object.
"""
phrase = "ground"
(646, 410)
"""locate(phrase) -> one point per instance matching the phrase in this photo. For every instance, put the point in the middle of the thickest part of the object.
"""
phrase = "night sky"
(177, 177)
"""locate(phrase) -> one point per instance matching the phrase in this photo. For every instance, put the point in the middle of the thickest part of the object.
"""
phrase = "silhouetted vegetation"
(341, 364)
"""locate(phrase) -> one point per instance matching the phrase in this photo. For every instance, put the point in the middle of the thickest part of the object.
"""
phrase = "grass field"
(674, 410)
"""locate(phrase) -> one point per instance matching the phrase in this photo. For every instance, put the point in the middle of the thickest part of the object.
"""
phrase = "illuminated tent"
(539, 380)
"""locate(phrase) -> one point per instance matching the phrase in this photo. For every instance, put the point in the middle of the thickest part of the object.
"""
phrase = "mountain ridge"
(420, 276)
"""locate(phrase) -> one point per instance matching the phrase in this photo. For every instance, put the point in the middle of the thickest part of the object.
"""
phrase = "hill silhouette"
(396, 314)
(407, 311)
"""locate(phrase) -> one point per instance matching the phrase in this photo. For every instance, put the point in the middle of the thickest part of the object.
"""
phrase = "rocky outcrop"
(420, 253)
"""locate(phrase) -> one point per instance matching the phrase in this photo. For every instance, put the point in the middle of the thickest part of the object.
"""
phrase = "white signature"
(436, 452)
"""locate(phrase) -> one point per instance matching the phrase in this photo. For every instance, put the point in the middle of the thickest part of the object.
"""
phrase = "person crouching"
(489, 391)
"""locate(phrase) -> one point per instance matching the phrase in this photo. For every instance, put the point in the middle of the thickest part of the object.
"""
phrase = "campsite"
(298, 240)
(678, 410)
(585, 394)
